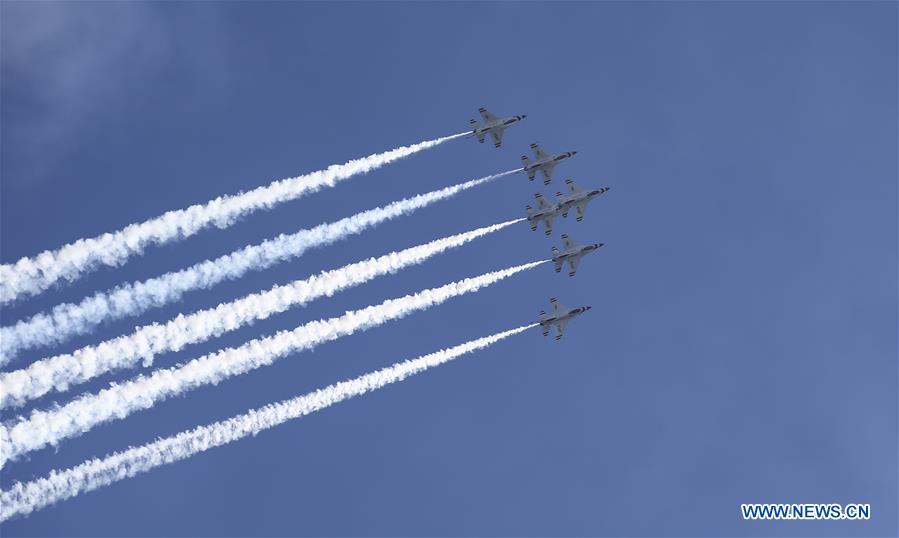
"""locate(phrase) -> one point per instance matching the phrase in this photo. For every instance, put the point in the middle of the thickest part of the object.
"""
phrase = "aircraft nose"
(523, 116)
(588, 307)
(597, 245)
(574, 153)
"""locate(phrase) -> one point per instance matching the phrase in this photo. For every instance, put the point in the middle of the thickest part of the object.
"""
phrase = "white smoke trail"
(24, 498)
(71, 319)
(118, 401)
(30, 276)
(62, 371)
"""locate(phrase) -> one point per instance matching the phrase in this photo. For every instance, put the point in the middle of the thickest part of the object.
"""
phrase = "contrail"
(30, 276)
(71, 319)
(24, 498)
(119, 400)
(62, 371)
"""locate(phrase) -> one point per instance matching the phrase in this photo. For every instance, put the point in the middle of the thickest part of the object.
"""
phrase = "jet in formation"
(560, 316)
(493, 126)
(543, 162)
(545, 212)
(577, 198)
(572, 254)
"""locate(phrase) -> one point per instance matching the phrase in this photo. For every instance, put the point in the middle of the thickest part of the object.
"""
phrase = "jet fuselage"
(566, 202)
(549, 161)
(501, 123)
(577, 251)
(556, 318)
(540, 214)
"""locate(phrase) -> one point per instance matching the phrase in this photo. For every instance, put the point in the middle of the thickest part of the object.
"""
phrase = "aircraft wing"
(539, 153)
(573, 187)
(547, 173)
(545, 330)
(580, 211)
(497, 137)
(569, 244)
(573, 263)
(560, 326)
(487, 115)
(558, 265)
(548, 224)
(541, 201)
(557, 306)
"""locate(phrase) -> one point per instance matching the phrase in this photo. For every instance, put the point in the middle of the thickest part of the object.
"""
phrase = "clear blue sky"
(742, 345)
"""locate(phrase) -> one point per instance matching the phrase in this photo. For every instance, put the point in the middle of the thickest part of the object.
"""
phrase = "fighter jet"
(560, 317)
(572, 254)
(493, 125)
(544, 162)
(577, 198)
(545, 212)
